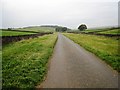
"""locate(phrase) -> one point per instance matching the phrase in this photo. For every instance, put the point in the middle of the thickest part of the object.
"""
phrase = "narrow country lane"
(71, 66)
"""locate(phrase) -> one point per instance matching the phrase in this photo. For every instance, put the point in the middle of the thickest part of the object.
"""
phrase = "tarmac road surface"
(71, 66)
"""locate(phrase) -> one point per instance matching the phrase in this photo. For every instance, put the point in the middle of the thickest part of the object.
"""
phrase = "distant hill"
(36, 29)
(52, 26)
(45, 26)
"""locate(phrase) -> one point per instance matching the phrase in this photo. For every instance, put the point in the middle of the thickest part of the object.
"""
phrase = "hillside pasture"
(37, 29)
(14, 33)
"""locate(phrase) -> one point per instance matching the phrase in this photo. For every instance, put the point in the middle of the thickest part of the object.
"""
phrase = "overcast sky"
(70, 13)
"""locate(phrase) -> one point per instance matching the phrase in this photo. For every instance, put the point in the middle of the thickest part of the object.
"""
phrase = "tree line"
(64, 29)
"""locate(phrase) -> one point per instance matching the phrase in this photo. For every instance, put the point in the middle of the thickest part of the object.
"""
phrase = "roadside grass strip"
(24, 63)
(104, 47)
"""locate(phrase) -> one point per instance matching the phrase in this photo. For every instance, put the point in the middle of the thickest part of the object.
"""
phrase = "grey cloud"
(19, 13)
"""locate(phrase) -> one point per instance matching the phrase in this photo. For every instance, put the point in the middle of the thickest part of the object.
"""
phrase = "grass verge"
(104, 47)
(24, 63)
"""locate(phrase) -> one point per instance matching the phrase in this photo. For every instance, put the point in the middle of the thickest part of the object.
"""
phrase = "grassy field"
(24, 63)
(13, 33)
(37, 29)
(101, 31)
(104, 47)
(115, 31)
(0, 32)
(88, 31)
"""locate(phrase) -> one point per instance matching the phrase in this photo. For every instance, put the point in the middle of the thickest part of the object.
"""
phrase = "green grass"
(102, 31)
(13, 33)
(24, 63)
(104, 47)
(0, 32)
(115, 31)
(38, 29)
(88, 31)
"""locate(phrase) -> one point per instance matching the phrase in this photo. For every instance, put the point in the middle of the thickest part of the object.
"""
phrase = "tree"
(64, 29)
(61, 29)
(82, 27)
(9, 28)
